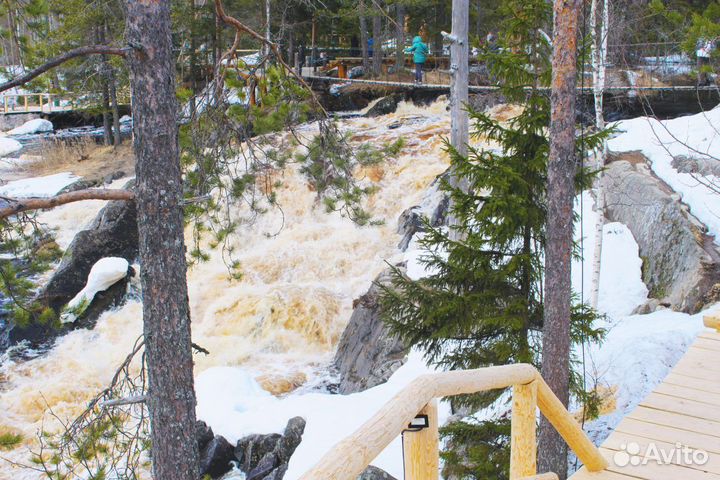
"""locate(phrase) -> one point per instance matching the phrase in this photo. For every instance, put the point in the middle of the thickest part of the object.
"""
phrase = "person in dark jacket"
(420, 52)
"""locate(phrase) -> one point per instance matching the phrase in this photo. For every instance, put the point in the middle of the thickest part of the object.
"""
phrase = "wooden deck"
(685, 409)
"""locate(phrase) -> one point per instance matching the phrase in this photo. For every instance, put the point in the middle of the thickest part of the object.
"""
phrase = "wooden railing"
(36, 102)
(347, 459)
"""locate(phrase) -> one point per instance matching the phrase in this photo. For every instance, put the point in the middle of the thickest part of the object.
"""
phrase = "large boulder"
(385, 105)
(368, 354)
(113, 233)
(681, 265)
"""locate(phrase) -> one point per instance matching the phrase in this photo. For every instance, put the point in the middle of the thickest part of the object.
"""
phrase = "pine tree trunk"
(364, 39)
(400, 38)
(558, 251)
(377, 44)
(166, 315)
(112, 82)
(107, 125)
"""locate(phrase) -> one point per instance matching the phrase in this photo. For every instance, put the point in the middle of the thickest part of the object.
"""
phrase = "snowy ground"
(38, 186)
(694, 136)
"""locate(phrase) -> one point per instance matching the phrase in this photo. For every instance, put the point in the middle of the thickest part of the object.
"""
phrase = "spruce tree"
(481, 302)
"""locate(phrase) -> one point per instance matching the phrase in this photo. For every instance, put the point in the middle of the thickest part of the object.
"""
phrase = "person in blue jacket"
(420, 52)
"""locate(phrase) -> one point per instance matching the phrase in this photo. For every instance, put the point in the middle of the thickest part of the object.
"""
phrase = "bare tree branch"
(242, 28)
(17, 205)
(78, 52)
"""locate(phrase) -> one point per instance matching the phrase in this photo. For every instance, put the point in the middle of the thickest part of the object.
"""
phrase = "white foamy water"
(286, 313)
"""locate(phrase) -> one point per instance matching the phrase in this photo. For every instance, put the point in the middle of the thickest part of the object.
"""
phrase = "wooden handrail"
(349, 457)
(712, 321)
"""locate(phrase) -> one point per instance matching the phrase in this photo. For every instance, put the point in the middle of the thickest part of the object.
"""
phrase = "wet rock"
(215, 458)
(203, 434)
(385, 106)
(374, 473)
(117, 175)
(367, 354)
(81, 184)
(409, 223)
(251, 449)
(113, 233)
(264, 468)
(681, 265)
(266, 457)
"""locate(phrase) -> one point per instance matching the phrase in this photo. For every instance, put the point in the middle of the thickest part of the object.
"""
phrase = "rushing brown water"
(286, 313)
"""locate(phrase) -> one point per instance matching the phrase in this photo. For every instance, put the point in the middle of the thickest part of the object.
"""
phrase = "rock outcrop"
(260, 457)
(367, 354)
(681, 266)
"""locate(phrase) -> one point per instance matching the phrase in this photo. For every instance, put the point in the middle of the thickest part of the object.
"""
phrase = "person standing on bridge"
(420, 52)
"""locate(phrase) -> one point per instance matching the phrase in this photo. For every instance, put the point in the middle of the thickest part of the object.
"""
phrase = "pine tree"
(482, 302)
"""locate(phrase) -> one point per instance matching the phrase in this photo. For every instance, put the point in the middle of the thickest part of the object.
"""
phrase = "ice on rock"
(37, 125)
(8, 146)
(46, 186)
(104, 274)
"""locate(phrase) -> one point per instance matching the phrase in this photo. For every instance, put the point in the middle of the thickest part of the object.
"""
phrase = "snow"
(37, 125)
(8, 146)
(621, 285)
(692, 136)
(234, 405)
(38, 186)
(104, 274)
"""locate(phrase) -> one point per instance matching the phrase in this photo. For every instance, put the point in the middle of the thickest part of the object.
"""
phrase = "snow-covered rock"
(37, 186)
(104, 274)
(8, 146)
(37, 125)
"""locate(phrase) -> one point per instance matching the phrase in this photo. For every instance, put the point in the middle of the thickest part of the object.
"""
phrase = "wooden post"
(49, 102)
(342, 70)
(421, 449)
(568, 428)
(523, 444)
(459, 122)
(712, 321)
(40, 100)
(26, 102)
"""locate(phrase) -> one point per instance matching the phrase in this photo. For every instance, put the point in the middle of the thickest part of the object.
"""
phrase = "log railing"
(347, 459)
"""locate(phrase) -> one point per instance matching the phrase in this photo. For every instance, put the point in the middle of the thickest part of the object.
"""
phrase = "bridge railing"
(37, 102)
(418, 402)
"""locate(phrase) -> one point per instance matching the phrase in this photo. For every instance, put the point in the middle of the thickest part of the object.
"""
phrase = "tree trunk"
(400, 38)
(599, 31)
(107, 126)
(459, 121)
(364, 39)
(112, 82)
(558, 251)
(166, 314)
(377, 44)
